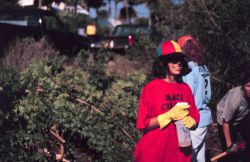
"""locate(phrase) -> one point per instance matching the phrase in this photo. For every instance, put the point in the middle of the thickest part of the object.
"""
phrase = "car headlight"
(111, 44)
(92, 45)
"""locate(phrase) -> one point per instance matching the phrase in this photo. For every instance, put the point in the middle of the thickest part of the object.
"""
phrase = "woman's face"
(175, 67)
(247, 89)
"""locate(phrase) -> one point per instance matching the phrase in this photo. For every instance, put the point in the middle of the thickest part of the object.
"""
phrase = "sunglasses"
(174, 61)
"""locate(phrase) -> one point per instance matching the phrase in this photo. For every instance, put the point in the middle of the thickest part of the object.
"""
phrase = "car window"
(20, 19)
(130, 30)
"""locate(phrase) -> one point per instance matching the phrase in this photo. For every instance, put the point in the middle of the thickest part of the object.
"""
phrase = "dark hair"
(245, 79)
(194, 51)
(160, 68)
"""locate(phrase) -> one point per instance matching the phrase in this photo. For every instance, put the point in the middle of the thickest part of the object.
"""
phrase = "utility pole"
(116, 9)
(150, 15)
(76, 3)
(39, 3)
(109, 1)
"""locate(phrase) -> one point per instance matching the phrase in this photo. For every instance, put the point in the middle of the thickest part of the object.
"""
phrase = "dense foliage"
(91, 110)
(221, 26)
(74, 21)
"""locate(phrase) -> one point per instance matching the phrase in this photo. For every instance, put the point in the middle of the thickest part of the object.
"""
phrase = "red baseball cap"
(182, 40)
(170, 49)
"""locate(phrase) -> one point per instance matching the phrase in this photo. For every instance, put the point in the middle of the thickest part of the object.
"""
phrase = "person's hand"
(178, 112)
(189, 122)
(232, 149)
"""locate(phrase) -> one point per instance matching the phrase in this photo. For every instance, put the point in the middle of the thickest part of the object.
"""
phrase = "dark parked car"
(123, 36)
(32, 22)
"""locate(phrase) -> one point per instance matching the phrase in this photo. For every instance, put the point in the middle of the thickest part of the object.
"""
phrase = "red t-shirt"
(159, 145)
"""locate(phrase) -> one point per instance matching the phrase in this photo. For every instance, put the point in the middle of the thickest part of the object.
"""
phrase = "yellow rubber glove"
(177, 112)
(189, 122)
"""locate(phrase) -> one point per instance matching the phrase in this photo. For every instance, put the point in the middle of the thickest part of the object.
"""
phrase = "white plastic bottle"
(183, 133)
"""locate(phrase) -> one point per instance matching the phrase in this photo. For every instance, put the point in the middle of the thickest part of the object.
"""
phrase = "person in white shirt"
(199, 81)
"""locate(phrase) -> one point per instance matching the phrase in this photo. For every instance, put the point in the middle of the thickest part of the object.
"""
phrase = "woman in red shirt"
(158, 111)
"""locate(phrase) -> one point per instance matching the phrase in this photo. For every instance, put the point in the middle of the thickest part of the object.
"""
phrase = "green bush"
(88, 106)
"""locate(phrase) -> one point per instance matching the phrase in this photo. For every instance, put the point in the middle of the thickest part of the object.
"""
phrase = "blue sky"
(142, 10)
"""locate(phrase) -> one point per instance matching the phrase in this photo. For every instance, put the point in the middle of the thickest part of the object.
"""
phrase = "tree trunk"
(125, 3)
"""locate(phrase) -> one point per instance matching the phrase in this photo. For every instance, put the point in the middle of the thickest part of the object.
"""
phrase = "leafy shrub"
(11, 91)
(86, 105)
(74, 21)
(23, 52)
